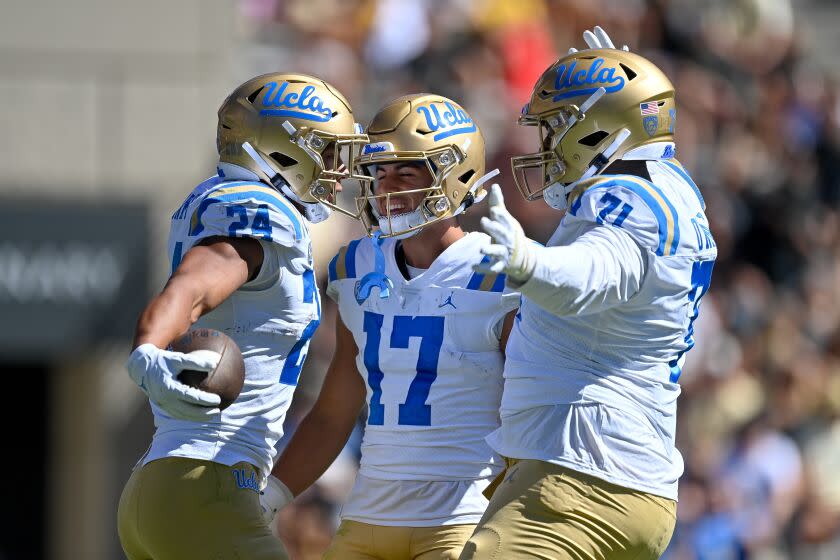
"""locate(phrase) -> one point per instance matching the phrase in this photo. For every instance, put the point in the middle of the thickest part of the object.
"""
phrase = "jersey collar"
(654, 151)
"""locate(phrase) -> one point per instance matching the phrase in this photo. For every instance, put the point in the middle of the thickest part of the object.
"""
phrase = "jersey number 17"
(414, 411)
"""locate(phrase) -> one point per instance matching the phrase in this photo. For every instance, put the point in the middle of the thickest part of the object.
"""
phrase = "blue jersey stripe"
(332, 272)
(499, 284)
(309, 287)
(177, 255)
(675, 374)
(475, 281)
(477, 278)
(196, 226)
(350, 258)
(687, 178)
(675, 241)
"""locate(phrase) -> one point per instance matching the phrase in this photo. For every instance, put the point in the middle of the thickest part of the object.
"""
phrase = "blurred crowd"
(758, 126)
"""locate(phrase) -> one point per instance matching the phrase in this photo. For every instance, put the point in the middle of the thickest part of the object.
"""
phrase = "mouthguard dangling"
(377, 278)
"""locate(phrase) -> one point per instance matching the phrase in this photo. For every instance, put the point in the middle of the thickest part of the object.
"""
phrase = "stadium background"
(107, 119)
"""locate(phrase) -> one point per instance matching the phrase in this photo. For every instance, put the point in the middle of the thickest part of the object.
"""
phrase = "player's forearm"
(313, 448)
(168, 315)
(600, 269)
(206, 277)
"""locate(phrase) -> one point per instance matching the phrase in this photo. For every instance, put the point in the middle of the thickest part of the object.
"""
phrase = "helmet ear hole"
(593, 139)
(465, 177)
(283, 160)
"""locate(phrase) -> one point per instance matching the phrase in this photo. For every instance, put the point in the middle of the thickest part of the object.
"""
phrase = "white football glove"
(156, 372)
(511, 252)
(274, 497)
(598, 39)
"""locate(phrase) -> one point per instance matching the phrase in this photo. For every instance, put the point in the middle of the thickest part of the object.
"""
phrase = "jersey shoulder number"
(633, 204)
(246, 209)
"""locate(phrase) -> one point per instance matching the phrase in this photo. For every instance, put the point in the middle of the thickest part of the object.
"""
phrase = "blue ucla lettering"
(451, 117)
(373, 148)
(581, 81)
(312, 106)
(249, 483)
(455, 116)
(450, 114)
(703, 233)
(434, 123)
(270, 87)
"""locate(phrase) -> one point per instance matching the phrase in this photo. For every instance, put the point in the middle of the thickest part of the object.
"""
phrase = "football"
(227, 378)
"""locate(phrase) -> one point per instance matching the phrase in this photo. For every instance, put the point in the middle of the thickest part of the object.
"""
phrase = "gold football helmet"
(592, 107)
(437, 133)
(295, 132)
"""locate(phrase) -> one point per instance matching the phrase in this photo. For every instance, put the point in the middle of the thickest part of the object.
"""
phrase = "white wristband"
(274, 497)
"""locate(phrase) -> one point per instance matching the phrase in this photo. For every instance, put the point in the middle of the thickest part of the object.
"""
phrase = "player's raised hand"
(598, 39)
(156, 372)
(510, 251)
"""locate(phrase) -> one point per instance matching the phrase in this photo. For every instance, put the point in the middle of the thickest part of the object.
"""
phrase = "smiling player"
(420, 339)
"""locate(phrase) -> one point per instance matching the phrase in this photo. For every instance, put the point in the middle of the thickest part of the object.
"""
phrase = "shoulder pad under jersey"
(631, 203)
(246, 209)
(345, 264)
(351, 262)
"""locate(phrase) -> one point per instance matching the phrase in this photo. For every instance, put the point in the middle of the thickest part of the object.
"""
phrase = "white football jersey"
(594, 359)
(271, 318)
(430, 357)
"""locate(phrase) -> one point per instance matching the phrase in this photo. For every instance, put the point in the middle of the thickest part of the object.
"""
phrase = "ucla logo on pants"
(571, 82)
(246, 482)
(301, 105)
(449, 122)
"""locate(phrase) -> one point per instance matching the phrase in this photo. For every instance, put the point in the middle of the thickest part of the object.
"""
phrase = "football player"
(420, 340)
(595, 356)
(241, 263)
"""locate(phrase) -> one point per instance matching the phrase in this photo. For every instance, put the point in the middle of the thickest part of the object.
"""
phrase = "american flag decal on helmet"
(649, 108)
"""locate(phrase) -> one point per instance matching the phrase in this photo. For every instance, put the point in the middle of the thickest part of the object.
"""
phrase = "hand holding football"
(227, 379)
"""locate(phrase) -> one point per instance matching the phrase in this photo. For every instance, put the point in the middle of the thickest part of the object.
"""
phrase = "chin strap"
(377, 278)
